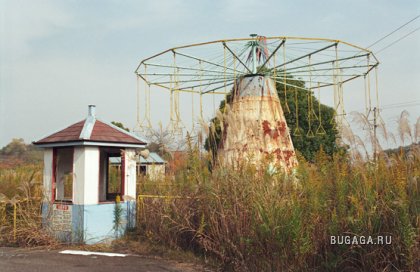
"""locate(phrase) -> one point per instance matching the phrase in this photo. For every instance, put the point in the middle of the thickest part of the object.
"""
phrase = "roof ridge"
(87, 128)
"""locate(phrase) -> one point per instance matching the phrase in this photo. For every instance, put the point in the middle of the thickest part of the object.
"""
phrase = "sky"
(57, 57)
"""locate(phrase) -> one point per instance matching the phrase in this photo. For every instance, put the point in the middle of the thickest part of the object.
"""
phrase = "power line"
(389, 34)
(391, 44)
(403, 103)
(400, 106)
(397, 105)
(393, 31)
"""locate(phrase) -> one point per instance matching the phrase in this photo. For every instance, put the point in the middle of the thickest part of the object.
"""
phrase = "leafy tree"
(120, 125)
(322, 132)
(307, 141)
(17, 149)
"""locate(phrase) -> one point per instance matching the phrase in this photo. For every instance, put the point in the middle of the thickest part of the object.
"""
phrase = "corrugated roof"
(153, 158)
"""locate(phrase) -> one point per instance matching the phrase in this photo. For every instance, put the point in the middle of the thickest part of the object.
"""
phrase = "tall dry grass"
(20, 207)
(252, 221)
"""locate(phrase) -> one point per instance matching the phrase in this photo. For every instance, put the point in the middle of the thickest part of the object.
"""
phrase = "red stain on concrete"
(279, 130)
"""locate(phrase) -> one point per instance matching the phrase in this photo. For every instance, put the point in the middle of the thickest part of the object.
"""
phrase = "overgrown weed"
(21, 196)
(250, 220)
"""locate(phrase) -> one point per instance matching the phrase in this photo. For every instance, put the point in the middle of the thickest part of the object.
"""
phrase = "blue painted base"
(93, 224)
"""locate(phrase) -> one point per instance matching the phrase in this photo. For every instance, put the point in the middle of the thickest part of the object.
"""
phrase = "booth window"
(112, 175)
(63, 174)
(142, 170)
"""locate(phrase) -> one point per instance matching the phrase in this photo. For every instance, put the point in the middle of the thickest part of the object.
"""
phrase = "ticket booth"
(87, 198)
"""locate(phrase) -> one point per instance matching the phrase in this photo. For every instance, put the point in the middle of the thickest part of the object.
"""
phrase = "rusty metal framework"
(212, 68)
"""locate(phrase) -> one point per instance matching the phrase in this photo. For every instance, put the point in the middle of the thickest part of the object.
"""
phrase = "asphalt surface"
(22, 260)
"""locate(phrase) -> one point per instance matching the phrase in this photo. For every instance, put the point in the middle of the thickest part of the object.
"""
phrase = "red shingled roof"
(70, 133)
(105, 133)
(101, 132)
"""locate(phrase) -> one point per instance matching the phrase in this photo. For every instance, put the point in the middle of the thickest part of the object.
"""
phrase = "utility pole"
(375, 117)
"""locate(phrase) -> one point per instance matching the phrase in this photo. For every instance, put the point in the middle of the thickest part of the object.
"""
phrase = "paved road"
(22, 260)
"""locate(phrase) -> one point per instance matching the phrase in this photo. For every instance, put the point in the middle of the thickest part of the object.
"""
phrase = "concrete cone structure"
(255, 128)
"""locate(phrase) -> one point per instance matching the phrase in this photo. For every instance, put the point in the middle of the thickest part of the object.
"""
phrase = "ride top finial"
(254, 54)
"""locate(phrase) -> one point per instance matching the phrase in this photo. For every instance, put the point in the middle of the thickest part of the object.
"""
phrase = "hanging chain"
(284, 78)
(310, 133)
(320, 130)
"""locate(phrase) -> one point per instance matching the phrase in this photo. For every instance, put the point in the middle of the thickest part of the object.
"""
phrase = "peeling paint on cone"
(255, 128)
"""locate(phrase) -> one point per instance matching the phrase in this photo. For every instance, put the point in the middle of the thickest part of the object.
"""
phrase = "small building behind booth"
(153, 166)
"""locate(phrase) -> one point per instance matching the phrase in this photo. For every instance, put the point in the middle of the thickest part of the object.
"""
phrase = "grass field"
(21, 198)
(251, 221)
(248, 220)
